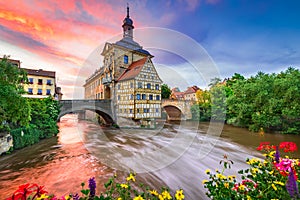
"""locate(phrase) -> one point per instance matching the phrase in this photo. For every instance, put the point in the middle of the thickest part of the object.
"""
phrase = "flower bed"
(274, 177)
(113, 191)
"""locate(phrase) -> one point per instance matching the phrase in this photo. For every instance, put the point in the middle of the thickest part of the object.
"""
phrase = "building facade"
(41, 84)
(127, 74)
(189, 94)
(138, 91)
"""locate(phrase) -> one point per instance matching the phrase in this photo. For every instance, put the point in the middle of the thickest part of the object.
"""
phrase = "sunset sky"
(242, 36)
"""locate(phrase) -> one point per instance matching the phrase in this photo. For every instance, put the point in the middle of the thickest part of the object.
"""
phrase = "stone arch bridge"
(175, 109)
(101, 107)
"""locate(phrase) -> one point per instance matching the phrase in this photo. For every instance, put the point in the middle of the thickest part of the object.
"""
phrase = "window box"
(30, 82)
(49, 84)
(40, 83)
(29, 93)
(39, 93)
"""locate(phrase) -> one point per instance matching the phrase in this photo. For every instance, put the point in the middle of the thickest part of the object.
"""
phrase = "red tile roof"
(133, 70)
(191, 90)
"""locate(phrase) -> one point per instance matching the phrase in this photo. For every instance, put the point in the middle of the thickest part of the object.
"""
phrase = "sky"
(192, 40)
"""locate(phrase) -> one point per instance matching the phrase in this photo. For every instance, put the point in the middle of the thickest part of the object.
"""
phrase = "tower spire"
(128, 10)
(128, 26)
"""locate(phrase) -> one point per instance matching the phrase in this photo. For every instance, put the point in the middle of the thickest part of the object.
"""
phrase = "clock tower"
(128, 26)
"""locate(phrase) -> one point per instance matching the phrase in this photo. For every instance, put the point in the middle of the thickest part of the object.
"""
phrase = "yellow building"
(138, 91)
(41, 83)
(128, 77)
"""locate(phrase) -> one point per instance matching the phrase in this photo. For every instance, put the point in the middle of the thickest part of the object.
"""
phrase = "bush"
(23, 137)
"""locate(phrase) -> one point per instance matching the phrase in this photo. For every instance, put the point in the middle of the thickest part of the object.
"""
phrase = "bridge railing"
(84, 100)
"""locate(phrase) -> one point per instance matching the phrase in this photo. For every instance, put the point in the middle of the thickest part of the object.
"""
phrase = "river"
(176, 155)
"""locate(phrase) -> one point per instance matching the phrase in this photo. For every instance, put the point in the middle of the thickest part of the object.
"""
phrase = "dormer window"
(125, 59)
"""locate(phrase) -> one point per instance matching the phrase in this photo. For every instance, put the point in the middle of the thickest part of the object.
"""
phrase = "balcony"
(106, 81)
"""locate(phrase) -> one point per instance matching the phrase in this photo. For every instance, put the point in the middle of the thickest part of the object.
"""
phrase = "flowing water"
(175, 156)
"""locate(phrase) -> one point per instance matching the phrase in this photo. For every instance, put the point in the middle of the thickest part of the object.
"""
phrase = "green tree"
(218, 102)
(165, 91)
(202, 109)
(266, 101)
(215, 81)
(14, 109)
(44, 116)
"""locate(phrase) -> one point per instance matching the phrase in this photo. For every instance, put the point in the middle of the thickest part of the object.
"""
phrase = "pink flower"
(284, 165)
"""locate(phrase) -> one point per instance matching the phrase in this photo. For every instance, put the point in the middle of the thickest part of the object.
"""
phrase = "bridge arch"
(101, 107)
(172, 107)
(107, 118)
(174, 113)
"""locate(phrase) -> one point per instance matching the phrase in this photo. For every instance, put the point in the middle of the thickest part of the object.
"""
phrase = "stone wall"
(5, 142)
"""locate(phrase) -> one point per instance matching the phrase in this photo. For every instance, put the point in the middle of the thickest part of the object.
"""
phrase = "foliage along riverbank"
(264, 102)
(27, 120)
(43, 123)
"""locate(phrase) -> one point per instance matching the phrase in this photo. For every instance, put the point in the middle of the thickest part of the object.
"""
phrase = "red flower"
(25, 190)
(288, 146)
(265, 146)
(22, 192)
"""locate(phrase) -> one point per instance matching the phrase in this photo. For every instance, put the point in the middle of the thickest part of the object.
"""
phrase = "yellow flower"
(253, 160)
(230, 178)
(67, 197)
(130, 177)
(254, 170)
(274, 187)
(220, 176)
(241, 187)
(138, 198)
(160, 197)
(279, 183)
(271, 154)
(179, 195)
(166, 195)
(226, 185)
(248, 197)
(207, 171)
(124, 186)
(43, 196)
(153, 192)
(204, 181)
(119, 198)
(271, 172)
